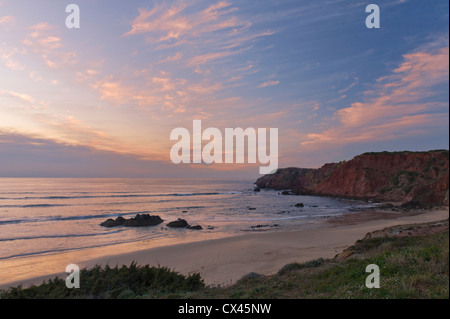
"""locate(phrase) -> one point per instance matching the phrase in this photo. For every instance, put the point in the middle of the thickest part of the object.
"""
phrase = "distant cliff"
(420, 177)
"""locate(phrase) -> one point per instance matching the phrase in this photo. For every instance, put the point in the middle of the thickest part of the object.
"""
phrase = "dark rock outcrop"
(196, 227)
(110, 223)
(180, 223)
(141, 220)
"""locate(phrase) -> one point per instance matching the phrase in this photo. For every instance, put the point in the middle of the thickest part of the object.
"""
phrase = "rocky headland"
(419, 179)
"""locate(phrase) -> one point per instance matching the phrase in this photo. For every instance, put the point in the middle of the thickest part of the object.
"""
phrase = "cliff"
(404, 177)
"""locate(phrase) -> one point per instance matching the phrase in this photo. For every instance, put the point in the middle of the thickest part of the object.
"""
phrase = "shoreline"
(223, 261)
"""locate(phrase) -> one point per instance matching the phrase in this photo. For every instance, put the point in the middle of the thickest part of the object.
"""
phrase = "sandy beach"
(223, 261)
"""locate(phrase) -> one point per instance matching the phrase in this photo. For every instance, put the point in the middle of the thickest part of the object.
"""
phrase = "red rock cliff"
(421, 177)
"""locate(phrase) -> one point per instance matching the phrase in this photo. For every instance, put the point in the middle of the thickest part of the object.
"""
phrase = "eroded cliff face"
(403, 177)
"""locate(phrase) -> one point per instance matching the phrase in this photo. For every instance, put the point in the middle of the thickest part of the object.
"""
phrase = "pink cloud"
(174, 23)
(21, 96)
(395, 106)
(7, 20)
(113, 91)
(205, 58)
(269, 83)
(172, 58)
(49, 46)
(8, 58)
(160, 19)
(159, 94)
(71, 131)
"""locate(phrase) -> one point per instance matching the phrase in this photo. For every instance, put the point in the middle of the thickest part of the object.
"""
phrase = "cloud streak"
(48, 46)
(269, 83)
(21, 96)
(8, 56)
(166, 23)
(7, 20)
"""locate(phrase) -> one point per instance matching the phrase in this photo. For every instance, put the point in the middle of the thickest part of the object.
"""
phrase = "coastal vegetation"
(112, 282)
(410, 267)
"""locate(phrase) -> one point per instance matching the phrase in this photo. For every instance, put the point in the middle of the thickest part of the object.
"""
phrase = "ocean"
(43, 218)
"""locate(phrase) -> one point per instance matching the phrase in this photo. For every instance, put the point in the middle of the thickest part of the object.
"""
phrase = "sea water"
(47, 217)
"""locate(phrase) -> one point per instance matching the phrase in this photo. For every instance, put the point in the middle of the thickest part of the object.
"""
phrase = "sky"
(102, 100)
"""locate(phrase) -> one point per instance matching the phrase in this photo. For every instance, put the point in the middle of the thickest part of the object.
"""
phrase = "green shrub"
(107, 282)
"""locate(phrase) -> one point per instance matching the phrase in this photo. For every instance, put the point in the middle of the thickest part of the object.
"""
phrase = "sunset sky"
(101, 101)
